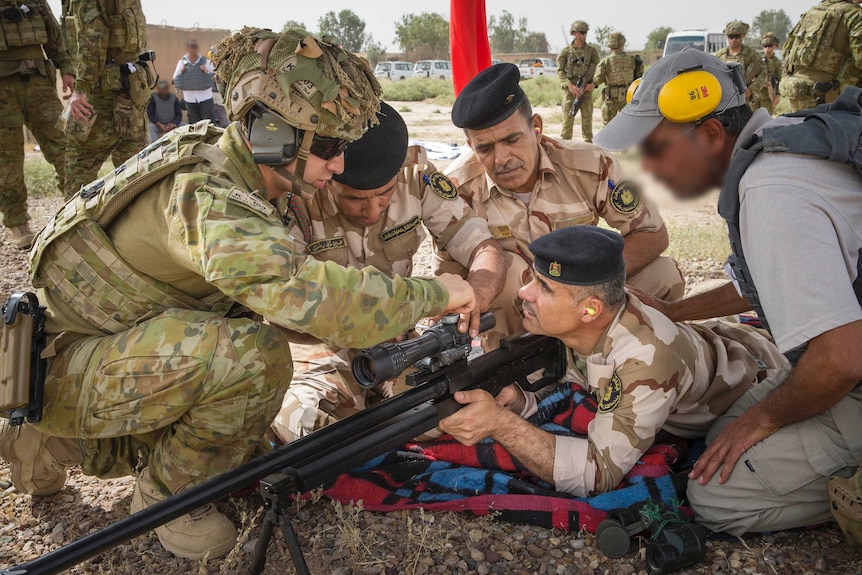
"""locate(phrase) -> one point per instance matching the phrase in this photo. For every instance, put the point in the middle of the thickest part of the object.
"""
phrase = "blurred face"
(769, 51)
(509, 151)
(364, 208)
(193, 49)
(580, 38)
(689, 160)
(734, 41)
(550, 308)
(164, 91)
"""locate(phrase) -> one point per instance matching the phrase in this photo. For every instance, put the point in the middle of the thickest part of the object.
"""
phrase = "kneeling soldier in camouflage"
(375, 214)
(148, 372)
(648, 373)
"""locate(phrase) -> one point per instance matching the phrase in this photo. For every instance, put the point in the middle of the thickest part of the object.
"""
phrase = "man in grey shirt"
(800, 229)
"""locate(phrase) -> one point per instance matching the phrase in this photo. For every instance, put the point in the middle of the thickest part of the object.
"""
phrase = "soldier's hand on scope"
(68, 86)
(462, 298)
(574, 90)
(79, 107)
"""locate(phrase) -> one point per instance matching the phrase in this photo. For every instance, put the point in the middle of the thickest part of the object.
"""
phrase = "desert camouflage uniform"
(578, 184)
(824, 46)
(144, 364)
(760, 98)
(28, 96)
(100, 50)
(649, 374)
(617, 72)
(572, 63)
(751, 62)
(323, 389)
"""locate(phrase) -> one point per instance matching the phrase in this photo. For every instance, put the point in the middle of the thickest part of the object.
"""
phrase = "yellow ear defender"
(693, 95)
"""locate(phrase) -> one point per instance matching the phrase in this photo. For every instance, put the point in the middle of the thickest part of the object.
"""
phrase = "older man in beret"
(375, 213)
(527, 185)
(648, 373)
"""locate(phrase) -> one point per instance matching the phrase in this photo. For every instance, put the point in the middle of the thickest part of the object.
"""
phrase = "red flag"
(468, 41)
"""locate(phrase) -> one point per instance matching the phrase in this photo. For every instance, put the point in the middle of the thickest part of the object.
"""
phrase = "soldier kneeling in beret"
(527, 185)
(647, 373)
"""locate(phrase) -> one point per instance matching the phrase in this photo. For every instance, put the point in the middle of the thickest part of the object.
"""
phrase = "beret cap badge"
(555, 269)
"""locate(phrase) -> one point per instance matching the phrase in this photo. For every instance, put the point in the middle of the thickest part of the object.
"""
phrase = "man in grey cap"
(795, 223)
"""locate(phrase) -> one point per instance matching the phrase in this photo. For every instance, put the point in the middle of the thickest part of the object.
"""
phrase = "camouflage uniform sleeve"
(91, 41)
(621, 203)
(599, 76)
(450, 220)
(562, 65)
(594, 57)
(253, 260)
(854, 29)
(753, 68)
(617, 438)
(778, 68)
(55, 49)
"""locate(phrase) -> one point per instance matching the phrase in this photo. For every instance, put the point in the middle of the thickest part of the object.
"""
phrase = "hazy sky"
(634, 18)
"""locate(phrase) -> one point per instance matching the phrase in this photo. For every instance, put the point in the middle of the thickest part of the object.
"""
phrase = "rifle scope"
(385, 361)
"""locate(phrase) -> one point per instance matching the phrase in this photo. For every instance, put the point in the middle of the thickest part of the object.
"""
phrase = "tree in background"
(374, 51)
(508, 37)
(657, 39)
(293, 24)
(347, 27)
(423, 36)
(601, 35)
(775, 21)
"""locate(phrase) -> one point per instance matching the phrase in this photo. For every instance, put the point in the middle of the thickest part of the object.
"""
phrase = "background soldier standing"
(767, 96)
(109, 100)
(28, 96)
(748, 58)
(823, 54)
(617, 72)
(572, 63)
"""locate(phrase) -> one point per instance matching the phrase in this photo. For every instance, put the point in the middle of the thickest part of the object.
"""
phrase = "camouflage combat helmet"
(616, 41)
(580, 26)
(770, 39)
(315, 86)
(736, 27)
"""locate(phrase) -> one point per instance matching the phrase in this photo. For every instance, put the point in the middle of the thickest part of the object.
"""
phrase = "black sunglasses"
(734, 36)
(327, 148)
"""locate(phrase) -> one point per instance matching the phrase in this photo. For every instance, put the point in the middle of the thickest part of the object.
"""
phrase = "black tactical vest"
(830, 131)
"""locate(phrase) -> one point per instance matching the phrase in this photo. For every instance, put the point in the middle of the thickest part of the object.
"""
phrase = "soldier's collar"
(232, 143)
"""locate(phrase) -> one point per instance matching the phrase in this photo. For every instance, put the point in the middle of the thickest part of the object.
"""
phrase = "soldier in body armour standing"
(574, 62)
(823, 54)
(736, 51)
(767, 95)
(112, 87)
(31, 51)
(617, 72)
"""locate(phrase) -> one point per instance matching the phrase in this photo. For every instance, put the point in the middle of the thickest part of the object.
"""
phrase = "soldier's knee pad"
(845, 503)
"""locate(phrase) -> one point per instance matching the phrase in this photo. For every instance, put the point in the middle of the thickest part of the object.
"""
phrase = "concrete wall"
(169, 44)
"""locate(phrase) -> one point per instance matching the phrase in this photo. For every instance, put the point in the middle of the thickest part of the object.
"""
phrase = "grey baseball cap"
(641, 116)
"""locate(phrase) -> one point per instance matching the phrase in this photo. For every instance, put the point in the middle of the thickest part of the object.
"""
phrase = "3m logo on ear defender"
(702, 92)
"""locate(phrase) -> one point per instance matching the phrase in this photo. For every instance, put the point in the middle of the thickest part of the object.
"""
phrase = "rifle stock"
(583, 81)
(318, 458)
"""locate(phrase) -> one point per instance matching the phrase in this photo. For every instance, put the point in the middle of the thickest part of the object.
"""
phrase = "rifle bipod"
(276, 490)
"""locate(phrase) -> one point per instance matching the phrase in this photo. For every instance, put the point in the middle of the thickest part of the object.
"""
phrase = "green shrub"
(543, 91)
(419, 90)
(40, 177)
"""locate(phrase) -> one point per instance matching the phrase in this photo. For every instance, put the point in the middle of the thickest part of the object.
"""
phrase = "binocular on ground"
(674, 541)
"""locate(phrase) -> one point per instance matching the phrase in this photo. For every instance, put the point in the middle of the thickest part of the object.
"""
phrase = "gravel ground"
(347, 540)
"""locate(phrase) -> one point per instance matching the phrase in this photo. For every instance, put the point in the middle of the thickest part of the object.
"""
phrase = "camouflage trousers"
(661, 278)
(586, 116)
(323, 391)
(85, 157)
(610, 109)
(762, 100)
(33, 103)
(189, 394)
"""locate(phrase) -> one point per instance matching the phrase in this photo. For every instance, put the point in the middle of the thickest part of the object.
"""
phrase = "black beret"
(374, 159)
(579, 255)
(491, 97)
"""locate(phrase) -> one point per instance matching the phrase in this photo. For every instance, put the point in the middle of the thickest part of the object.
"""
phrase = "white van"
(699, 39)
(395, 71)
(433, 69)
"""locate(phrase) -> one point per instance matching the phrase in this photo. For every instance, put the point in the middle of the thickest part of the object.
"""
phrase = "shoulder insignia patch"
(253, 202)
(500, 232)
(612, 395)
(442, 185)
(625, 197)
(399, 230)
(326, 244)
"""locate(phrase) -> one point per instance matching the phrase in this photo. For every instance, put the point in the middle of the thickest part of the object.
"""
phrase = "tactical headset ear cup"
(630, 93)
(689, 97)
(273, 141)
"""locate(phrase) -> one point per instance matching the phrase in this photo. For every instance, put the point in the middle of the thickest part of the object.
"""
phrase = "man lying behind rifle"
(140, 268)
(648, 373)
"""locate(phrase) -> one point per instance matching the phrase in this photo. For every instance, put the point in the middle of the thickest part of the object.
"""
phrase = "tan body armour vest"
(21, 25)
(74, 258)
(818, 45)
